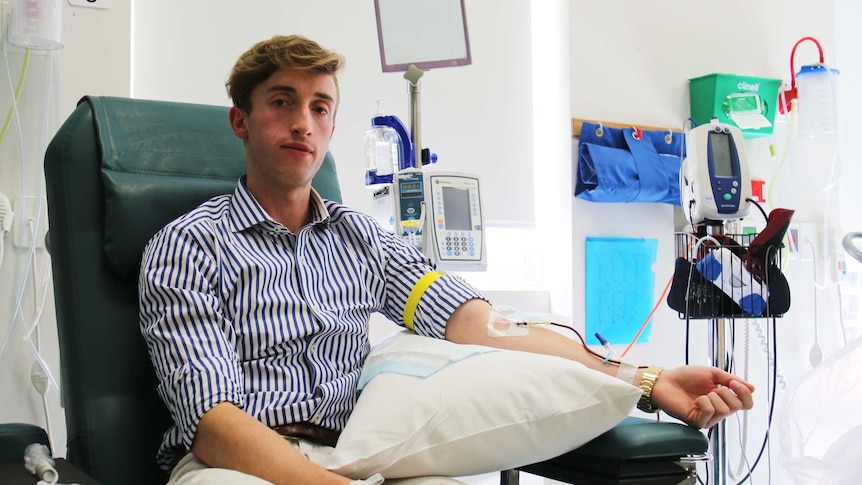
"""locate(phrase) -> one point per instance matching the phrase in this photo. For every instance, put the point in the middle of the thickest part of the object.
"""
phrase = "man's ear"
(238, 122)
(332, 132)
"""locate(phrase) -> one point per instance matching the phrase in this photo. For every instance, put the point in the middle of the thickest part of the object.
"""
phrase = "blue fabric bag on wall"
(628, 165)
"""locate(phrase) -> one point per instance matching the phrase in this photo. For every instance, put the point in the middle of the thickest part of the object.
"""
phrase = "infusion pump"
(714, 181)
(440, 213)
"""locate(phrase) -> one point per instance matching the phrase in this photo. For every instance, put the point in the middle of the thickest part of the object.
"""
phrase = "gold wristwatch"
(648, 379)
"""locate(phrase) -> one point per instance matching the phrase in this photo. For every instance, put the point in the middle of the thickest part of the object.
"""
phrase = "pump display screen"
(456, 209)
(722, 163)
(411, 189)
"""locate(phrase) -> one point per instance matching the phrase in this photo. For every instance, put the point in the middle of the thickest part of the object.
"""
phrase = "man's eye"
(321, 110)
(280, 102)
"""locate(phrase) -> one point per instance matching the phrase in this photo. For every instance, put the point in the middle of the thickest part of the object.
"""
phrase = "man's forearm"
(468, 325)
(227, 437)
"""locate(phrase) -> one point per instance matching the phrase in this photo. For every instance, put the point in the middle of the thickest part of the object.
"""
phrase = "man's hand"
(701, 396)
(229, 438)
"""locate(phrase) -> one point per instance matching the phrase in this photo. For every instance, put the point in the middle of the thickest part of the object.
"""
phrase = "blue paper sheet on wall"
(619, 288)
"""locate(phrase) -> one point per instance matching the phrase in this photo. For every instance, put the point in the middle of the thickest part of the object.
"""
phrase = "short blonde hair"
(257, 64)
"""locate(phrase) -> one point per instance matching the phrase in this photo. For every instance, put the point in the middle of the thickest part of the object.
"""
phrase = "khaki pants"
(191, 471)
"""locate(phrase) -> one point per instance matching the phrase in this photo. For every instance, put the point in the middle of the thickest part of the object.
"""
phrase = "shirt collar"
(246, 212)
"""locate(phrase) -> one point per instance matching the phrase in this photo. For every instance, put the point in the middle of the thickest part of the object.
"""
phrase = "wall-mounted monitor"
(426, 33)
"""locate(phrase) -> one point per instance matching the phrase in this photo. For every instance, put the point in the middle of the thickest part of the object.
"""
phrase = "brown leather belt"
(307, 431)
(310, 432)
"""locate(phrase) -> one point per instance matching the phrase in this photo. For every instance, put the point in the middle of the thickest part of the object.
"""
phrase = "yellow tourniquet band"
(416, 294)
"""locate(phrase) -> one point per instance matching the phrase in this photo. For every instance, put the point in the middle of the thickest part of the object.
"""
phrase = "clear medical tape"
(506, 321)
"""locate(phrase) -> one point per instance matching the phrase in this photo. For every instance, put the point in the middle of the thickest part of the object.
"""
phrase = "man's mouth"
(302, 147)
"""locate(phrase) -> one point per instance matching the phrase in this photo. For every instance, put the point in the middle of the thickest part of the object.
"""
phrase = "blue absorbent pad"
(409, 354)
(619, 288)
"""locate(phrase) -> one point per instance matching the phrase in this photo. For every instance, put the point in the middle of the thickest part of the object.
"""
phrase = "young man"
(255, 305)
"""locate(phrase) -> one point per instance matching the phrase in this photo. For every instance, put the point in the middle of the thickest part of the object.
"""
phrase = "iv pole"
(719, 359)
(413, 77)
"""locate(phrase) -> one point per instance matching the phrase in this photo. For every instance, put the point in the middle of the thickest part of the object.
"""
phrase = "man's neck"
(291, 208)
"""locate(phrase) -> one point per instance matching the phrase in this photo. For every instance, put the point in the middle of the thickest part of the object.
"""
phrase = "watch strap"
(648, 380)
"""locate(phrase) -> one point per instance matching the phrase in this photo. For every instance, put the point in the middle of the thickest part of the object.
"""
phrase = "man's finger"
(743, 391)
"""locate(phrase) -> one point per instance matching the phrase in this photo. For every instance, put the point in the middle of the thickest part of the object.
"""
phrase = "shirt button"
(301, 260)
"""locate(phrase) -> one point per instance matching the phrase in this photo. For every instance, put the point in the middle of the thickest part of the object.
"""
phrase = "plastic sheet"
(819, 423)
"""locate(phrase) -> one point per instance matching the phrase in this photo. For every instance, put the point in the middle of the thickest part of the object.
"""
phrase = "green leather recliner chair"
(118, 170)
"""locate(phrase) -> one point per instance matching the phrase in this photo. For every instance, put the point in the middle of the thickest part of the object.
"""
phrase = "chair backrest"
(117, 171)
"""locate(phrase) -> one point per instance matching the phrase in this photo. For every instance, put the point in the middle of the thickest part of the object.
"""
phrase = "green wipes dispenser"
(746, 102)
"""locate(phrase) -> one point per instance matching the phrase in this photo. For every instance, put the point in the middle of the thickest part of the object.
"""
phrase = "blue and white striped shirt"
(235, 308)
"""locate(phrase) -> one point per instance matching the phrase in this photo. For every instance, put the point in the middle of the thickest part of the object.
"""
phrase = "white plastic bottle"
(381, 152)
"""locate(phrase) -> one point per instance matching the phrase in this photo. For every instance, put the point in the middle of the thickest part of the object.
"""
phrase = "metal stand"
(720, 359)
(708, 298)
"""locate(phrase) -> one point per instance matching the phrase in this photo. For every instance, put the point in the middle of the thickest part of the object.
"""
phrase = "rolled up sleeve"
(405, 268)
(191, 344)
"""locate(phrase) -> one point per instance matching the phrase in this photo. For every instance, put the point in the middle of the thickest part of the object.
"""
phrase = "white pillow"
(476, 410)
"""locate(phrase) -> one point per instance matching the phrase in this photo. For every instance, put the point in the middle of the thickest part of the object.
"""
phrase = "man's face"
(288, 130)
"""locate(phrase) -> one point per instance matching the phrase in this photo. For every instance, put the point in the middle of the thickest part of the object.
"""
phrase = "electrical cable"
(840, 313)
(693, 251)
(771, 390)
(743, 425)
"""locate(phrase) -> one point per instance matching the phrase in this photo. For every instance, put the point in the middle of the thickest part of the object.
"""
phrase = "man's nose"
(301, 122)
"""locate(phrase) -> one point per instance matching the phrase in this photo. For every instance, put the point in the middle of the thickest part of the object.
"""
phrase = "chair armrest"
(15, 437)
(637, 438)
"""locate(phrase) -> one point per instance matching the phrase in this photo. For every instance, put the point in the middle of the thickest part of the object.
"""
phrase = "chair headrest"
(161, 159)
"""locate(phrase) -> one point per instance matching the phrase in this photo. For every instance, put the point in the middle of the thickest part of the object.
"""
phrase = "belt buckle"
(292, 439)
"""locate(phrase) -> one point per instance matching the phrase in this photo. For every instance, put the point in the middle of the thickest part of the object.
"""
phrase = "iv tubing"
(17, 312)
(14, 110)
(661, 298)
(793, 54)
(37, 308)
(646, 321)
(17, 93)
